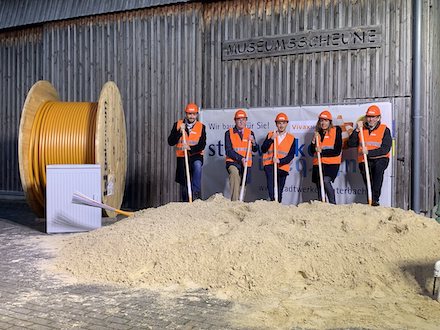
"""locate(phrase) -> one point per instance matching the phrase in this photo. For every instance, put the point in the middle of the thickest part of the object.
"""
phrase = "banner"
(349, 186)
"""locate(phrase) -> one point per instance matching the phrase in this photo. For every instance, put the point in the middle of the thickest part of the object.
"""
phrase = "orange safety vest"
(239, 145)
(373, 141)
(328, 143)
(191, 140)
(282, 151)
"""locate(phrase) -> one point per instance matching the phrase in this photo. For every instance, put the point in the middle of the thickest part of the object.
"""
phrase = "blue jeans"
(196, 182)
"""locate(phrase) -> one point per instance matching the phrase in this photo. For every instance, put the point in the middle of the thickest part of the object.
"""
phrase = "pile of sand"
(312, 265)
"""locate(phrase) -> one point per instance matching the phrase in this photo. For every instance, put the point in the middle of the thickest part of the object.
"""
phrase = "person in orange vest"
(236, 141)
(330, 147)
(285, 153)
(378, 143)
(196, 142)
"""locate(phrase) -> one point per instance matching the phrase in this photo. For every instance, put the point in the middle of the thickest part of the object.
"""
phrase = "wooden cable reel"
(54, 132)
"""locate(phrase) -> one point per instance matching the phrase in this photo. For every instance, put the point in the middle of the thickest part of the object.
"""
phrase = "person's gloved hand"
(251, 138)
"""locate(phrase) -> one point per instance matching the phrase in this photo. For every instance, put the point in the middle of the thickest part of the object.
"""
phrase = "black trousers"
(377, 168)
(282, 175)
(328, 189)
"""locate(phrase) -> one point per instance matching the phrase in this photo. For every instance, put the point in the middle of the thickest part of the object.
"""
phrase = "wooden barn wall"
(430, 155)
(332, 77)
(153, 57)
(164, 57)
(21, 59)
(316, 78)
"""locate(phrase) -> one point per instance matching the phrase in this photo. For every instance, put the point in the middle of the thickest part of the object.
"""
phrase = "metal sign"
(305, 42)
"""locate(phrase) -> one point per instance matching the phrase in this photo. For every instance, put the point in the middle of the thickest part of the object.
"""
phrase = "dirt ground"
(313, 265)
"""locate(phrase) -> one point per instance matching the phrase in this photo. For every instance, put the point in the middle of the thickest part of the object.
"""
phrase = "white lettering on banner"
(349, 187)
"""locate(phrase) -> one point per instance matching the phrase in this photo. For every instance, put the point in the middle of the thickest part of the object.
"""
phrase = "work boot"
(374, 203)
(196, 195)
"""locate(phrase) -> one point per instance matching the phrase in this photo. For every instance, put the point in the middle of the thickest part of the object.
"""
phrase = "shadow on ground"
(423, 274)
(18, 211)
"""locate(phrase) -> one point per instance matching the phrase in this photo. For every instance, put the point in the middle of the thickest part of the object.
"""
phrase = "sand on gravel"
(313, 265)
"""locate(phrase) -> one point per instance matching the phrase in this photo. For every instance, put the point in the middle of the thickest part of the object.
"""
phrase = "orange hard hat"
(325, 115)
(373, 111)
(192, 108)
(281, 117)
(240, 113)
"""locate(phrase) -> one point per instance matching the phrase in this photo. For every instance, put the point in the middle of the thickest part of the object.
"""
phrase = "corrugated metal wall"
(164, 57)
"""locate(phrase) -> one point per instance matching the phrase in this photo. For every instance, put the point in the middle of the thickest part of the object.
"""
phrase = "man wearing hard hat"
(236, 143)
(378, 141)
(285, 151)
(195, 144)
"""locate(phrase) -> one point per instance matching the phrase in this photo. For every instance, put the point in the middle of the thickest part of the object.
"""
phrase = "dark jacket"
(329, 152)
(231, 153)
(286, 159)
(330, 170)
(193, 153)
(385, 147)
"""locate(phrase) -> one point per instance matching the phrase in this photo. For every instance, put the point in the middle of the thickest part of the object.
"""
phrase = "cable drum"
(54, 132)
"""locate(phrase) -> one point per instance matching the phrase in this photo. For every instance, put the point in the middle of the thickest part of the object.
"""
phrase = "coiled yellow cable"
(55, 132)
(62, 133)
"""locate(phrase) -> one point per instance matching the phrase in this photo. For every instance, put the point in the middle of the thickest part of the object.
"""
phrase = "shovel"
(243, 182)
(367, 170)
(321, 177)
(275, 170)
(188, 178)
(79, 198)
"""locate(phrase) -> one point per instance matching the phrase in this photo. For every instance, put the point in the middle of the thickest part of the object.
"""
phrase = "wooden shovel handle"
(321, 176)
(275, 169)
(188, 178)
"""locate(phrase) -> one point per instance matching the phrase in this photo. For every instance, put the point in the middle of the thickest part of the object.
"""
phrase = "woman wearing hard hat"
(378, 141)
(236, 143)
(195, 144)
(285, 151)
(329, 146)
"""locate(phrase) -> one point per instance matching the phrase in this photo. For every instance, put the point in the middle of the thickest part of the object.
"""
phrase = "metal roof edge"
(20, 13)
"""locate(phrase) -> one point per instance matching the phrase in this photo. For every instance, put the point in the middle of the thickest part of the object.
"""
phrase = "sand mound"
(312, 265)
